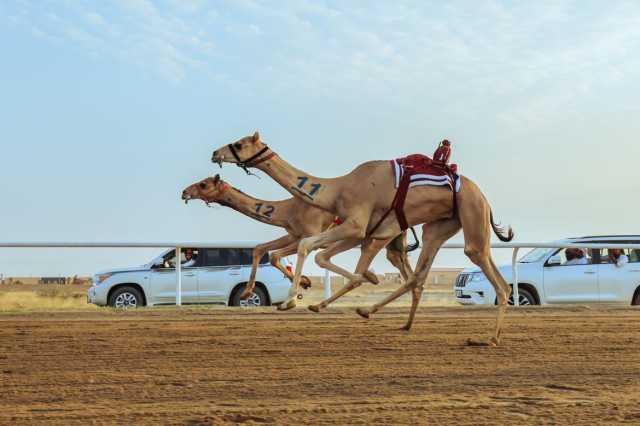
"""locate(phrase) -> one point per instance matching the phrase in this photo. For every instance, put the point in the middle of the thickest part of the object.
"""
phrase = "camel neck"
(270, 212)
(311, 189)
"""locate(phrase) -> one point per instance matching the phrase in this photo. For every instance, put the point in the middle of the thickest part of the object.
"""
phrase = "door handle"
(189, 274)
(589, 272)
(635, 270)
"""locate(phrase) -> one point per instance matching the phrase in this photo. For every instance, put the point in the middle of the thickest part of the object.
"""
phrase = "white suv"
(211, 276)
(544, 278)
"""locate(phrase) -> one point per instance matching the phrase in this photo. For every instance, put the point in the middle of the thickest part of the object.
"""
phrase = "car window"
(234, 257)
(535, 255)
(230, 257)
(572, 256)
(632, 255)
(246, 257)
(170, 258)
(214, 257)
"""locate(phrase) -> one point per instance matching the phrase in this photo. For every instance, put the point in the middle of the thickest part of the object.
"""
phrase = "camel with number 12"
(361, 198)
(298, 218)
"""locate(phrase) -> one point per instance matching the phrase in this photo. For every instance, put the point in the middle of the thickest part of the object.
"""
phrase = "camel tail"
(503, 235)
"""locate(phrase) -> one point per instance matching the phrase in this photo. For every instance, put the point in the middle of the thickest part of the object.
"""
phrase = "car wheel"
(125, 298)
(636, 299)
(525, 298)
(258, 298)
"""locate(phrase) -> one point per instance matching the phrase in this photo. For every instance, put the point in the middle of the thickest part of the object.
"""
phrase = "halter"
(224, 188)
(252, 161)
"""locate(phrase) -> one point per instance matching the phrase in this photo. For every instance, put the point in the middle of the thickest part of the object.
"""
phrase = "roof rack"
(605, 236)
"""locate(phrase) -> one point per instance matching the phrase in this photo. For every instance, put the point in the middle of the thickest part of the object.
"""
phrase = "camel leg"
(257, 254)
(433, 236)
(437, 234)
(323, 260)
(347, 235)
(400, 259)
(482, 258)
(277, 255)
(370, 248)
(474, 215)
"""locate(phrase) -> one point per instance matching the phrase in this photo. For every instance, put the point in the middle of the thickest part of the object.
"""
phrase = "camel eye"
(237, 145)
(203, 185)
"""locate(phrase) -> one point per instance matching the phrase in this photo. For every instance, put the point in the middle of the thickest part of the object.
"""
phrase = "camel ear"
(256, 136)
(216, 179)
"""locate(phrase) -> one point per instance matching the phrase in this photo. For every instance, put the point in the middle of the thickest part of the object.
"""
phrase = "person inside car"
(188, 258)
(617, 257)
(575, 256)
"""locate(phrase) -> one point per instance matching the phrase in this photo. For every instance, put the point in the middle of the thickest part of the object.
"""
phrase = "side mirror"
(555, 260)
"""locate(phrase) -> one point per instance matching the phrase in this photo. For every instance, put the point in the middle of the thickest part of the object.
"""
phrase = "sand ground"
(209, 366)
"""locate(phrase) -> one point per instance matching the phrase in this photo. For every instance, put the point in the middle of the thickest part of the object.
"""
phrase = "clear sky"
(109, 109)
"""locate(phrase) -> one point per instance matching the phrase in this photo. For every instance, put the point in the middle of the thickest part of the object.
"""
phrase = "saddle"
(420, 170)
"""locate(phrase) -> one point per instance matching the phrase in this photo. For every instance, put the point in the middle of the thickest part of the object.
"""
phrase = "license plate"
(458, 293)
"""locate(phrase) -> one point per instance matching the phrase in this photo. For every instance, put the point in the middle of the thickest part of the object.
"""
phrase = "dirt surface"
(204, 366)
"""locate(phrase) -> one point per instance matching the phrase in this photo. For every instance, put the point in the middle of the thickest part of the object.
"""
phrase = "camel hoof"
(314, 308)
(305, 282)
(363, 313)
(371, 277)
(286, 306)
(405, 327)
(491, 343)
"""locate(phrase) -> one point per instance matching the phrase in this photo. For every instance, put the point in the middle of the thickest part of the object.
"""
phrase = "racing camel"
(298, 218)
(361, 199)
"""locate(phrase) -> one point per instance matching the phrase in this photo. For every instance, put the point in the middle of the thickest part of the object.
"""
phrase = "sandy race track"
(206, 366)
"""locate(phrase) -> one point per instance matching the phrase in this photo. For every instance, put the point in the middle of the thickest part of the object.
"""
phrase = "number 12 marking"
(268, 211)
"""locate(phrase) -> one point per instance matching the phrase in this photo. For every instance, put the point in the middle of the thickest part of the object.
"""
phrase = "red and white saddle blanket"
(418, 170)
(423, 171)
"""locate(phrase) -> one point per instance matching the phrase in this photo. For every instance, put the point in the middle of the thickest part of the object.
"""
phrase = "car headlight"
(102, 278)
(477, 276)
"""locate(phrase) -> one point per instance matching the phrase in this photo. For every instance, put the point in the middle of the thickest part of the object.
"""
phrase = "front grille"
(462, 280)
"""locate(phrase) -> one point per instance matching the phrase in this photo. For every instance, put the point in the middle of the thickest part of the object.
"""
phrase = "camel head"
(208, 190)
(243, 152)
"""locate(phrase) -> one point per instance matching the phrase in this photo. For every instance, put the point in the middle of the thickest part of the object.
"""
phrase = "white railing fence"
(327, 277)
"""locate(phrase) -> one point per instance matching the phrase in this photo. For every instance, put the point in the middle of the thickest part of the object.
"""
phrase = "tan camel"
(298, 218)
(361, 199)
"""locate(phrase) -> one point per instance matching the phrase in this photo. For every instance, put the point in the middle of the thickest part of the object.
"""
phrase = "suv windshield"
(536, 255)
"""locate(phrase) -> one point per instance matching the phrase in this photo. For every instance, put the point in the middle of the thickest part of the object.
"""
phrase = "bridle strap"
(252, 161)
(260, 160)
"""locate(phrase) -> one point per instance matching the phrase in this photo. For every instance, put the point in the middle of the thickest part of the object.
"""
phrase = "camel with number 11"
(298, 218)
(361, 198)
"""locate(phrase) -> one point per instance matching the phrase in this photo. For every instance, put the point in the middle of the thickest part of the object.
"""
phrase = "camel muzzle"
(215, 159)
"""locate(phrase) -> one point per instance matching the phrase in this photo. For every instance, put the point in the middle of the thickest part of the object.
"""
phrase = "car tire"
(258, 298)
(126, 298)
(636, 299)
(525, 298)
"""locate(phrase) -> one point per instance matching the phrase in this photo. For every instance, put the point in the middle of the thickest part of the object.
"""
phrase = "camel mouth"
(186, 198)
(217, 160)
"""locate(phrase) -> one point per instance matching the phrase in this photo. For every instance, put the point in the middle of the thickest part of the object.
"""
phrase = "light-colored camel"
(298, 218)
(362, 197)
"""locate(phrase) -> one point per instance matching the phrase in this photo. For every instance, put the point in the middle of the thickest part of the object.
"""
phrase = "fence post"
(514, 267)
(327, 284)
(179, 274)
